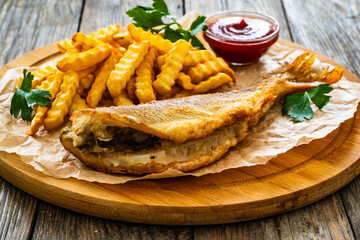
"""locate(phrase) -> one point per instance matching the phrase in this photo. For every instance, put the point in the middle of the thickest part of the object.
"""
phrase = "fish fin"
(300, 70)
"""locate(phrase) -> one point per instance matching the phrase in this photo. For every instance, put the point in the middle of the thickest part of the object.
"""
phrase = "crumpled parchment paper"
(275, 134)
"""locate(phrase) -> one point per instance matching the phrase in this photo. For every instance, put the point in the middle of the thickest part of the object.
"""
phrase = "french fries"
(83, 60)
(125, 68)
(109, 67)
(172, 66)
(144, 78)
(60, 107)
(52, 85)
(160, 44)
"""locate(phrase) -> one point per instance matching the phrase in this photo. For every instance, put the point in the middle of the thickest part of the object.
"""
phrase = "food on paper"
(172, 66)
(63, 100)
(83, 60)
(126, 67)
(182, 134)
(52, 85)
(209, 68)
(144, 78)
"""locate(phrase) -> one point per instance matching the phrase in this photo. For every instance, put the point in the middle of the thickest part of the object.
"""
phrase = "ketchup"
(241, 40)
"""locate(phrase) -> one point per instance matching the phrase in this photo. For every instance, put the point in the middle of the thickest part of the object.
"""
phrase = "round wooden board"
(294, 179)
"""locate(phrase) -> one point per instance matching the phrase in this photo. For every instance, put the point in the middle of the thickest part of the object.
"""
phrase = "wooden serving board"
(294, 179)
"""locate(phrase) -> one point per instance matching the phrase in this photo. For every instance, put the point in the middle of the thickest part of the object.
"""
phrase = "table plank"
(57, 223)
(323, 220)
(26, 25)
(17, 212)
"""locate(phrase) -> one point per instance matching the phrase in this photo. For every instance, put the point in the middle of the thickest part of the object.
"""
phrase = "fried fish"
(184, 133)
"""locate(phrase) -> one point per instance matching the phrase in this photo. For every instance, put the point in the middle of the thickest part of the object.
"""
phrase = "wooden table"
(331, 27)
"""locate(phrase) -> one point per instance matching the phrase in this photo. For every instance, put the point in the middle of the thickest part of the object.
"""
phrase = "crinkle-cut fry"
(145, 77)
(171, 68)
(78, 104)
(334, 76)
(213, 82)
(196, 57)
(87, 41)
(39, 76)
(184, 81)
(204, 70)
(85, 83)
(184, 93)
(124, 39)
(174, 90)
(160, 44)
(160, 60)
(130, 89)
(63, 100)
(99, 86)
(106, 34)
(64, 45)
(52, 85)
(123, 99)
(125, 68)
(81, 61)
(86, 72)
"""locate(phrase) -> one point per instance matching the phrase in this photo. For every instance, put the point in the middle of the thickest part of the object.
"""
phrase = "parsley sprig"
(25, 97)
(298, 106)
(152, 18)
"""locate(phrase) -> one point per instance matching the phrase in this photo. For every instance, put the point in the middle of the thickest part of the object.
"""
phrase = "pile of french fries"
(112, 68)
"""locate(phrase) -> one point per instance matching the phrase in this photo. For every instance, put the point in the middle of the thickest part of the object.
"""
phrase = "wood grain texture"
(114, 11)
(57, 223)
(300, 224)
(17, 212)
(26, 25)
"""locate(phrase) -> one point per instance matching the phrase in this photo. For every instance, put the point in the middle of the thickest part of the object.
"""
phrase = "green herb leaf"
(196, 42)
(24, 98)
(161, 6)
(318, 97)
(151, 18)
(298, 106)
(172, 35)
(198, 25)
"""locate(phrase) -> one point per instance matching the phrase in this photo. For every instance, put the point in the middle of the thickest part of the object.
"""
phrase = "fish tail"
(300, 70)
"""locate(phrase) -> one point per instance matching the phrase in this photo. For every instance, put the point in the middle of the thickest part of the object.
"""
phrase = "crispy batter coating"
(204, 70)
(106, 34)
(213, 82)
(172, 66)
(125, 68)
(78, 104)
(81, 61)
(184, 81)
(124, 39)
(99, 86)
(39, 76)
(160, 44)
(145, 77)
(60, 107)
(51, 84)
(123, 99)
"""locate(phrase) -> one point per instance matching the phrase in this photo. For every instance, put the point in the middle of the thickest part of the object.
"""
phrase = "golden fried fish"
(184, 133)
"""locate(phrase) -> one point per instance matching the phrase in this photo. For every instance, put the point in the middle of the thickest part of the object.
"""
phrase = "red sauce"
(240, 40)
